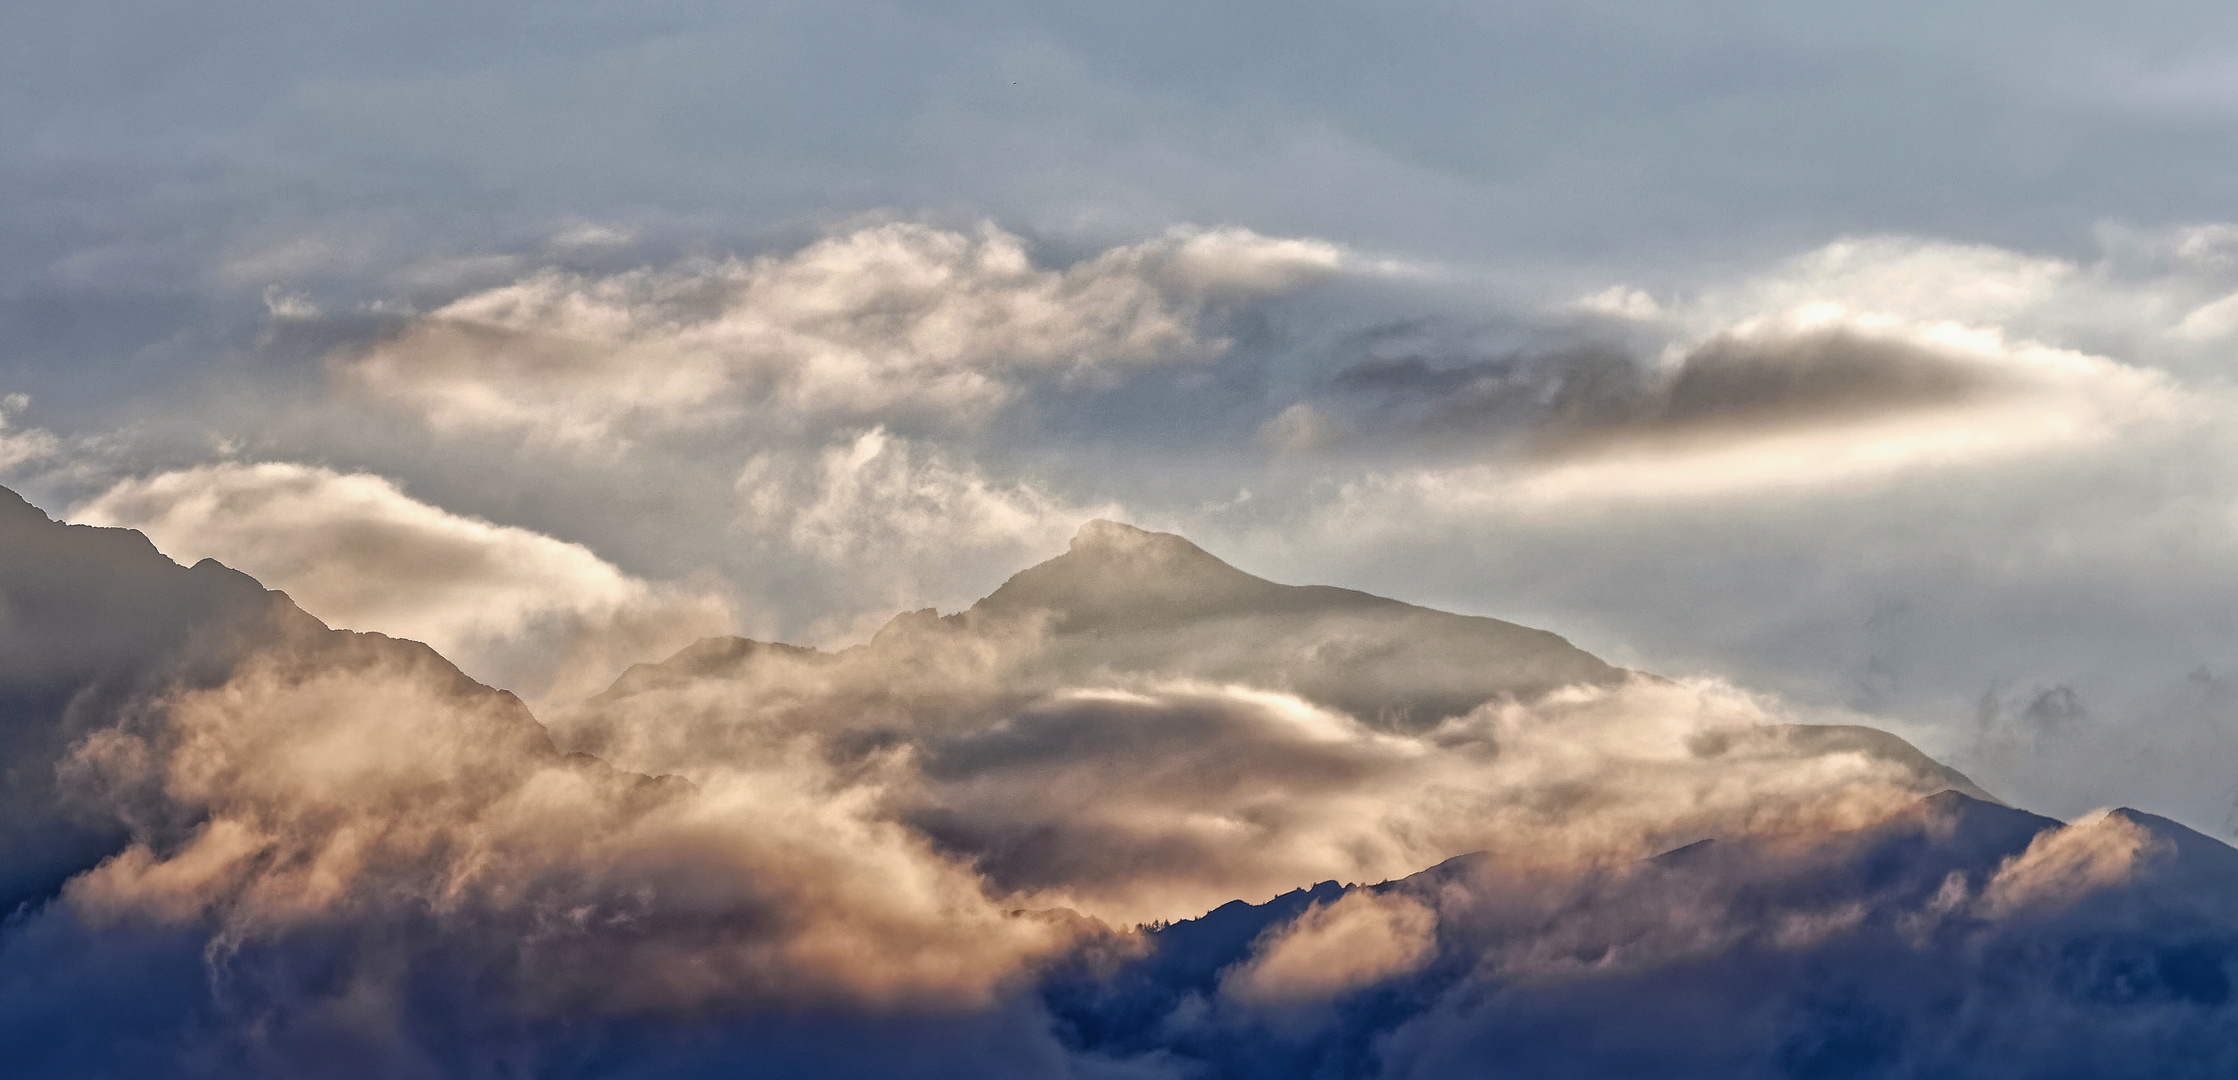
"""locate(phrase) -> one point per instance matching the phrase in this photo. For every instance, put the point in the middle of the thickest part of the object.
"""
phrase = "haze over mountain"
(1123, 602)
(241, 843)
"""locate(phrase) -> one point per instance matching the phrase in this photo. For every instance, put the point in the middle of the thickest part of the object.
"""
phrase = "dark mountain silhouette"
(1870, 953)
(94, 624)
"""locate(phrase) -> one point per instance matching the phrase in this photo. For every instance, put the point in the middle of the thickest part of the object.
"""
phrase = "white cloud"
(2209, 321)
(1360, 939)
(901, 524)
(22, 447)
(1131, 799)
(885, 320)
(1862, 360)
(508, 604)
(348, 784)
(2062, 865)
(1917, 281)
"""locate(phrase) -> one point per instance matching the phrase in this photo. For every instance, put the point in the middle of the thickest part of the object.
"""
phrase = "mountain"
(1127, 600)
(97, 629)
(92, 622)
(1122, 601)
(238, 843)
(1959, 938)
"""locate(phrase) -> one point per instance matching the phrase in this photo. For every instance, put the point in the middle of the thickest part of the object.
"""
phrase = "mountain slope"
(1126, 602)
(97, 630)
(292, 851)
(1931, 944)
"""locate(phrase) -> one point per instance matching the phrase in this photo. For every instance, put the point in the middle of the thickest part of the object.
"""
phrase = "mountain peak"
(1104, 531)
(1103, 538)
(1113, 569)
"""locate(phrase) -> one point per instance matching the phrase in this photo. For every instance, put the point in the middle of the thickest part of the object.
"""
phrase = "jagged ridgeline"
(1073, 830)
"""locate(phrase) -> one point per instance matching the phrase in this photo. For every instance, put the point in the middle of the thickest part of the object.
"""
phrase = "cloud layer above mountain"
(886, 321)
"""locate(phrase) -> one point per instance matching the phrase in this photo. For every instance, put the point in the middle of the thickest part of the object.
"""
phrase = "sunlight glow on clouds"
(368, 791)
(358, 552)
(1360, 939)
(897, 519)
(896, 319)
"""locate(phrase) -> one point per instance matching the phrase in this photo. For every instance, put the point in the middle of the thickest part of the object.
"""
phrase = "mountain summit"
(1128, 603)
(1115, 573)
(1131, 600)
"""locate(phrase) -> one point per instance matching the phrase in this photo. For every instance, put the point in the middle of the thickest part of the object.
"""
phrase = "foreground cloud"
(368, 790)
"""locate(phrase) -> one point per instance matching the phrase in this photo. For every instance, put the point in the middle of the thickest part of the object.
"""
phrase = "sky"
(1872, 357)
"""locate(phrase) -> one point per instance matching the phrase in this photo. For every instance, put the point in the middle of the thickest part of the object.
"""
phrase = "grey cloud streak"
(1571, 401)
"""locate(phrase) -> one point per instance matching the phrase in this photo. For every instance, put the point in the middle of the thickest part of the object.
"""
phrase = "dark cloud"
(1813, 377)
(1584, 399)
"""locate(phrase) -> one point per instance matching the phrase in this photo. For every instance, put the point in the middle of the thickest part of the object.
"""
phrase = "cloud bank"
(514, 605)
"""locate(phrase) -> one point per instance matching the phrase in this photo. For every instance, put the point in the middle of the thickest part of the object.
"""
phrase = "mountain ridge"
(1128, 601)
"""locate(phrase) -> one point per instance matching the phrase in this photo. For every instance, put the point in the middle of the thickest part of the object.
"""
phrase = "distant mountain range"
(236, 842)
(1958, 938)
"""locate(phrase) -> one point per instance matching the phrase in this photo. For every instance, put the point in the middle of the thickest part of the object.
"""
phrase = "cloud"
(1799, 954)
(1919, 280)
(355, 786)
(2062, 865)
(1132, 799)
(1361, 939)
(900, 523)
(19, 448)
(515, 606)
(1823, 398)
(349, 845)
(882, 321)
(1136, 731)
(1863, 361)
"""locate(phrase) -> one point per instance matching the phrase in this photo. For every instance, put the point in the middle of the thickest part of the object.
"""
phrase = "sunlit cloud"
(515, 606)
(886, 320)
